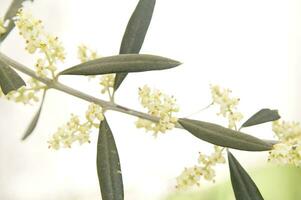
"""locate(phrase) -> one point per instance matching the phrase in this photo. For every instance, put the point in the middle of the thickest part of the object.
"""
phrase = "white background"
(252, 47)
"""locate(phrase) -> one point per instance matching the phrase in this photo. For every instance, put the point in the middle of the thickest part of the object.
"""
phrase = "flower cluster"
(36, 38)
(85, 54)
(106, 81)
(94, 115)
(74, 130)
(26, 94)
(2, 27)
(159, 105)
(288, 151)
(192, 176)
(228, 105)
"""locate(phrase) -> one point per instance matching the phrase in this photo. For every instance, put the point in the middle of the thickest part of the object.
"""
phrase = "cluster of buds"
(28, 94)
(74, 130)
(159, 105)
(288, 151)
(2, 27)
(192, 176)
(33, 32)
(228, 105)
(106, 81)
(85, 54)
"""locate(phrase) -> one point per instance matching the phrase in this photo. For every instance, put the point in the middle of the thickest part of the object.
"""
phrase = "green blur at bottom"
(274, 183)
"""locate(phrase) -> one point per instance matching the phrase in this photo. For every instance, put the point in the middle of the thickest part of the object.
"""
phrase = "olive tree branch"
(106, 105)
(55, 84)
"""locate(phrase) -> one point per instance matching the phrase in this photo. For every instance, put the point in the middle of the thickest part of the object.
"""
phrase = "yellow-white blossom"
(228, 105)
(205, 169)
(286, 130)
(28, 94)
(189, 177)
(159, 105)
(50, 47)
(94, 114)
(85, 54)
(288, 150)
(75, 130)
(106, 81)
(2, 27)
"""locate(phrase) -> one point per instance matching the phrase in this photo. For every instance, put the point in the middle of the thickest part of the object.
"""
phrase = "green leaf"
(11, 12)
(262, 116)
(135, 33)
(122, 63)
(9, 79)
(34, 120)
(108, 165)
(243, 186)
(222, 136)
(137, 27)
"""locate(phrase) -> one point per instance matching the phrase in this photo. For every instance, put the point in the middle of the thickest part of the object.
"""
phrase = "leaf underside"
(222, 136)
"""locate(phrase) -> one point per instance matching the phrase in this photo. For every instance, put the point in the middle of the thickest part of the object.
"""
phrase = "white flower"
(93, 113)
(228, 105)
(189, 177)
(85, 54)
(288, 151)
(107, 82)
(159, 105)
(192, 176)
(74, 130)
(28, 94)
(36, 38)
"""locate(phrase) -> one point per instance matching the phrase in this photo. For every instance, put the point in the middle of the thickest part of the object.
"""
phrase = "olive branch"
(130, 61)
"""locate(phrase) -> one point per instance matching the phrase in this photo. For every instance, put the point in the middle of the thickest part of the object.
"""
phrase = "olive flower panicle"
(288, 150)
(32, 30)
(36, 38)
(228, 105)
(105, 81)
(75, 130)
(159, 105)
(205, 169)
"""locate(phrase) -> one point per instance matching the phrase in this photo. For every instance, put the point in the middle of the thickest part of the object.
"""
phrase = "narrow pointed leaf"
(137, 27)
(222, 136)
(135, 33)
(9, 79)
(262, 116)
(108, 165)
(122, 63)
(31, 127)
(243, 186)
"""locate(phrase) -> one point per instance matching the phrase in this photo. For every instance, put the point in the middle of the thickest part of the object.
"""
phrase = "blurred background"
(252, 47)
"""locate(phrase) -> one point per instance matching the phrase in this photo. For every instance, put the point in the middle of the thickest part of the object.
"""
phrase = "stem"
(54, 84)
(202, 109)
(110, 95)
(106, 105)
